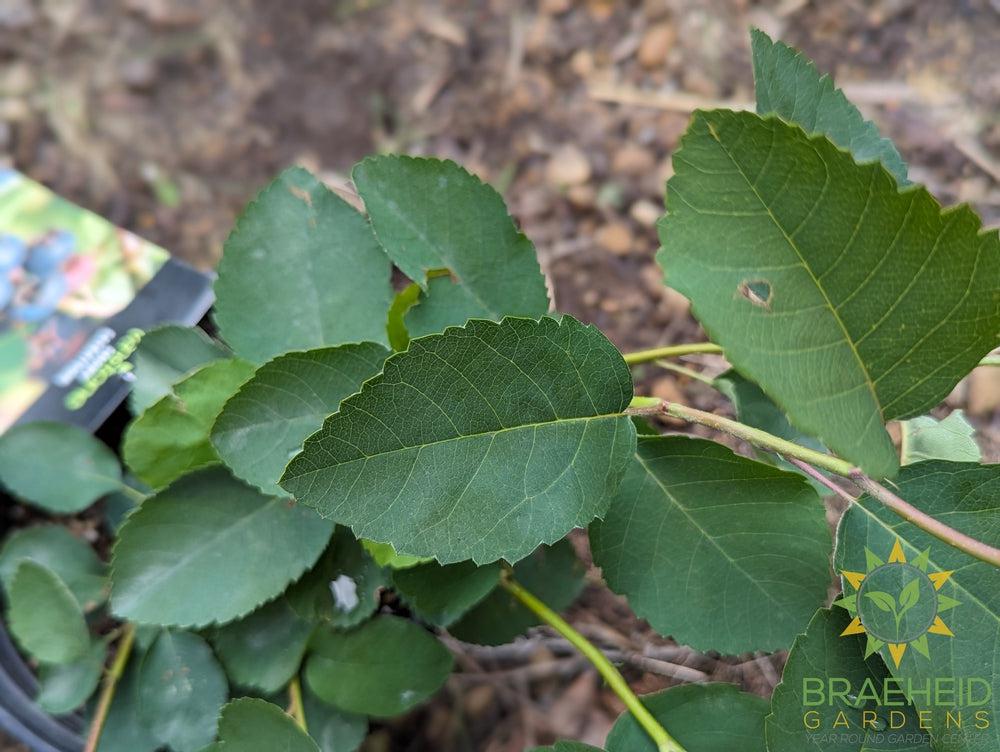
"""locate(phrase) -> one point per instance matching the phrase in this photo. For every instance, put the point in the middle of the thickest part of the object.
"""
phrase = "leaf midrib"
(805, 265)
(481, 434)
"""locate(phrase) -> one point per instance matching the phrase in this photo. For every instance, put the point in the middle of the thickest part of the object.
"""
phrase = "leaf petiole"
(663, 740)
(295, 707)
(111, 679)
(670, 351)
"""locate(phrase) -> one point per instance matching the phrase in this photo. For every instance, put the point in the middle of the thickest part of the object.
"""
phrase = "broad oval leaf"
(382, 668)
(567, 747)
(849, 302)
(431, 214)
(926, 438)
(821, 658)
(87, 468)
(300, 270)
(702, 717)
(263, 425)
(209, 549)
(333, 729)
(721, 552)
(478, 443)
(71, 559)
(788, 85)
(965, 496)
(65, 687)
(44, 617)
(263, 651)
(171, 437)
(181, 689)
(252, 725)
(164, 356)
(343, 588)
(553, 573)
(441, 593)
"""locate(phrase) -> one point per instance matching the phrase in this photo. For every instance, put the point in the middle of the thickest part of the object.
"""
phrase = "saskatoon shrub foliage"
(339, 441)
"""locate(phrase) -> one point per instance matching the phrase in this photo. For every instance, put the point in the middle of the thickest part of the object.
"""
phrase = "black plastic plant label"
(76, 294)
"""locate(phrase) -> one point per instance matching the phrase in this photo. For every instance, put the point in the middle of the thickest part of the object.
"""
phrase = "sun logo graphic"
(897, 603)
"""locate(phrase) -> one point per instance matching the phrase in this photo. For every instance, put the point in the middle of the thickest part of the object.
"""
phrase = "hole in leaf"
(757, 292)
(345, 593)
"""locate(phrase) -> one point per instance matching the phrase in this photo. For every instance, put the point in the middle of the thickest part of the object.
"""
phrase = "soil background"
(167, 116)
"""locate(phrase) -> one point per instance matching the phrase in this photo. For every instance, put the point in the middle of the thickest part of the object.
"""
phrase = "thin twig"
(925, 522)
(789, 450)
(671, 351)
(685, 371)
(816, 475)
(749, 434)
(663, 740)
(111, 679)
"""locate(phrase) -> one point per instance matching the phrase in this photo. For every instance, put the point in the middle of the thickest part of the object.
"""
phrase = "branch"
(663, 740)
(671, 351)
(763, 439)
(792, 451)
(111, 679)
(925, 522)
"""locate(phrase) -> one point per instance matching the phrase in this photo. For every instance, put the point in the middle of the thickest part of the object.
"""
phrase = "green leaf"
(87, 468)
(553, 573)
(385, 555)
(850, 303)
(819, 658)
(164, 356)
(963, 496)
(444, 304)
(252, 725)
(789, 86)
(383, 668)
(702, 717)
(695, 524)
(44, 616)
(264, 650)
(442, 593)
(264, 424)
(65, 687)
(181, 689)
(124, 730)
(343, 588)
(71, 559)
(171, 437)
(431, 214)
(518, 423)
(567, 747)
(209, 549)
(334, 730)
(301, 270)
(925, 438)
